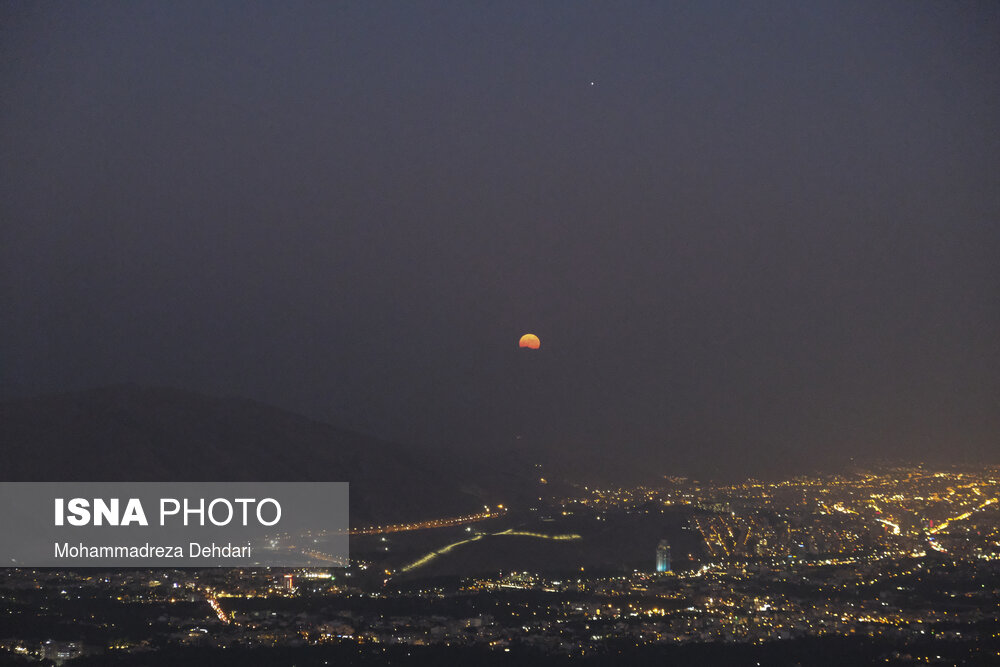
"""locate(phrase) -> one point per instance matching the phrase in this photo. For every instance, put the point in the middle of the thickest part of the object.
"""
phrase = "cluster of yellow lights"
(961, 517)
(219, 611)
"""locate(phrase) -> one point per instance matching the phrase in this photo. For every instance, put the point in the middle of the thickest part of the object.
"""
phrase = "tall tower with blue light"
(663, 556)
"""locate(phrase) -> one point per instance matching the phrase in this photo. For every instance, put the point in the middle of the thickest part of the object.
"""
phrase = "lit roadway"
(431, 523)
(446, 522)
(509, 532)
(217, 608)
(944, 524)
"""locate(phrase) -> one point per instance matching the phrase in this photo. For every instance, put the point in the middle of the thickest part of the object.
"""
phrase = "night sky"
(749, 235)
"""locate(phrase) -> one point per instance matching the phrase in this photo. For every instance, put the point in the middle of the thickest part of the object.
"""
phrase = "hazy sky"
(746, 232)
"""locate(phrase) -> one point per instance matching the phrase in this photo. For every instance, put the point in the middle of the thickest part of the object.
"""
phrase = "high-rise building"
(60, 652)
(663, 556)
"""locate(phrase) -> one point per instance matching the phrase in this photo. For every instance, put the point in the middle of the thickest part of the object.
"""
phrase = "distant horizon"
(596, 473)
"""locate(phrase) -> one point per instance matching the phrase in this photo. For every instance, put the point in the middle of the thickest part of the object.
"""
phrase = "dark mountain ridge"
(132, 433)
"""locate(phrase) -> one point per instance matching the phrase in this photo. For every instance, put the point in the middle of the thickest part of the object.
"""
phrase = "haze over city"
(745, 234)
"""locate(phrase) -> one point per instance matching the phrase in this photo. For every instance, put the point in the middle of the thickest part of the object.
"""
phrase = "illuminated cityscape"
(903, 560)
(530, 333)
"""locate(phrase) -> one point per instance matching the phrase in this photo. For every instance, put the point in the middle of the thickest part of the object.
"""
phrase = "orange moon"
(529, 341)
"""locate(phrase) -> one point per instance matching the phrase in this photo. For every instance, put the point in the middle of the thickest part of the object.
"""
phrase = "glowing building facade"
(663, 556)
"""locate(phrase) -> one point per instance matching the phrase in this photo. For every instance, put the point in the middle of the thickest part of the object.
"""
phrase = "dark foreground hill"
(129, 433)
